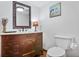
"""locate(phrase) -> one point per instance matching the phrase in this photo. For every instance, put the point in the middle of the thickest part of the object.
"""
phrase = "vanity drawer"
(6, 38)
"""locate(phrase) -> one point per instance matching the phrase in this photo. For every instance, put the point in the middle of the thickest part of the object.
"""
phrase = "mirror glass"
(21, 16)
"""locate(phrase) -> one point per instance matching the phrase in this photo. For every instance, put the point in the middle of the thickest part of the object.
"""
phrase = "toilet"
(56, 52)
(61, 44)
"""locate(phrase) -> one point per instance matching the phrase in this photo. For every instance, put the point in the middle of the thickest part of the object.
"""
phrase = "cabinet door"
(6, 46)
(26, 45)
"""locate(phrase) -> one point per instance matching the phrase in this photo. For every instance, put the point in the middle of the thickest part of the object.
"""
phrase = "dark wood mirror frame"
(14, 15)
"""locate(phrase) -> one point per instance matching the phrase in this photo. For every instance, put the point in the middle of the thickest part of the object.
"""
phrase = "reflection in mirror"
(21, 15)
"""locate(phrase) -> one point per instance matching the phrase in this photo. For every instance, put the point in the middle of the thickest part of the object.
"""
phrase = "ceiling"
(39, 3)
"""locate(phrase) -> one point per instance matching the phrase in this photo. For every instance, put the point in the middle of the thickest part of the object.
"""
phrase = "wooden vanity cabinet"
(22, 45)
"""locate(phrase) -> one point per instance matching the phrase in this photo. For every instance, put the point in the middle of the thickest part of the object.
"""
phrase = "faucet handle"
(22, 29)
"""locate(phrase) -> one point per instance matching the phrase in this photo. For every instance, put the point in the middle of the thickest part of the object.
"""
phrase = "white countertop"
(17, 33)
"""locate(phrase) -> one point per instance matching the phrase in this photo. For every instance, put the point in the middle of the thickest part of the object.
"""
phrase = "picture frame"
(55, 10)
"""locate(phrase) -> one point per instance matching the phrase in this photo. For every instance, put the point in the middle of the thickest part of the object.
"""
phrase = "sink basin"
(10, 32)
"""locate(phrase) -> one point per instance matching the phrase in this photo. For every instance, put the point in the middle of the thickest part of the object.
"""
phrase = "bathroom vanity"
(21, 44)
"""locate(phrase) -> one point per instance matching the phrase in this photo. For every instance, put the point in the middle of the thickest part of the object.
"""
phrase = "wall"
(6, 11)
(66, 24)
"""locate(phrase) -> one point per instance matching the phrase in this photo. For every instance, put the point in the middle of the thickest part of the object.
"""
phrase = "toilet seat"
(55, 52)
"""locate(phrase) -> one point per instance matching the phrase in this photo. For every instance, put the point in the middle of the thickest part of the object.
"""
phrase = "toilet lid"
(55, 51)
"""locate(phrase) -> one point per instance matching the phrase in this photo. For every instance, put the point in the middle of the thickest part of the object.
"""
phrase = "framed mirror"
(21, 15)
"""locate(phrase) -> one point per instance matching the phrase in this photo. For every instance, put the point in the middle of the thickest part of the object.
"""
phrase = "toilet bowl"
(62, 43)
(56, 52)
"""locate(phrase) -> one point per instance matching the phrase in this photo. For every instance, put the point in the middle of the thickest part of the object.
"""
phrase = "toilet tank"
(63, 41)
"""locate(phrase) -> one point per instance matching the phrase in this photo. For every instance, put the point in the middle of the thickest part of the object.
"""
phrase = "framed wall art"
(55, 10)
